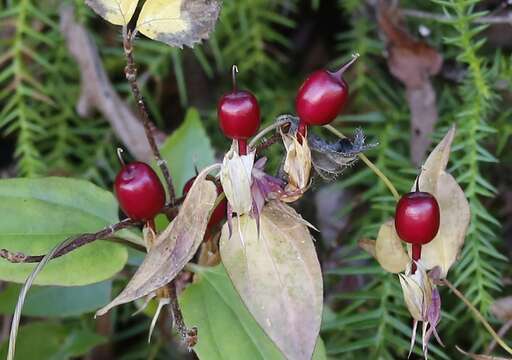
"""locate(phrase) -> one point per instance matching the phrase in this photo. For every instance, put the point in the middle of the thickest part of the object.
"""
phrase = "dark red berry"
(239, 114)
(417, 218)
(322, 97)
(139, 191)
(220, 211)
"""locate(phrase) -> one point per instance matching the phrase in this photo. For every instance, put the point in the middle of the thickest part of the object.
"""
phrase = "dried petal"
(236, 179)
(417, 291)
(331, 159)
(297, 166)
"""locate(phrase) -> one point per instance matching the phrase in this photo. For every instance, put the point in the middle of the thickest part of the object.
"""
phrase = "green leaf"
(226, 329)
(52, 341)
(39, 213)
(53, 301)
(187, 148)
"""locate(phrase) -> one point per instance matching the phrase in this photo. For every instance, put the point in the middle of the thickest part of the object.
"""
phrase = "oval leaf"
(37, 214)
(453, 205)
(277, 274)
(187, 149)
(178, 22)
(174, 247)
(389, 249)
(117, 12)
(57, 301)
(212, 304)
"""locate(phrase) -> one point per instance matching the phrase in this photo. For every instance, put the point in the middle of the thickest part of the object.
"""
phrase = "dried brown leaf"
(454, 207)
(413, 62)
(278, 277)
(389, 249)
(174, 247)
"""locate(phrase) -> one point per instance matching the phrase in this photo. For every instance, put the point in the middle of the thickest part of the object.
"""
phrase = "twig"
(479, 316)
(131, 75)
(280, 121)
(78, 242)
(267, 142)
(98, 93)
(496, 19)
(189, 335)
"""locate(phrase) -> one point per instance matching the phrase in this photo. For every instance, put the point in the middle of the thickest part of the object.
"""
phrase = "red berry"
(239, 115)
(417, 218)
(139, 191)
(321, 98)
(220, 211)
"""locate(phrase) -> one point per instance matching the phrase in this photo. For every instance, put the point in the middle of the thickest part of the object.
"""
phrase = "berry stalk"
(416, 255)
(242, 147)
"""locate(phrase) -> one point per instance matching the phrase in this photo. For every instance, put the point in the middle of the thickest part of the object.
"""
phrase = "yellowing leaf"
(174, 247)
(178, 22)
(278, 277)
(454, 207)
(389, 249)
(117, 12)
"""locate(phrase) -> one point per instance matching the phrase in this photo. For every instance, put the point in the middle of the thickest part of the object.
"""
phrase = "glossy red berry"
(239, 114)
(139, 191)
(417, 218)
(322, 97)
(220, 211)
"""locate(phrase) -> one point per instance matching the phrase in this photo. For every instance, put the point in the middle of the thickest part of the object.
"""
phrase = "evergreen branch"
(496, 19)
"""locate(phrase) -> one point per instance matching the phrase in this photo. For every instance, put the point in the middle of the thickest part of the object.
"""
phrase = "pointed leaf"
(454, 207)
(389, 249)
(178, 22)
(174, 247)
(278, 276)
(117, 12)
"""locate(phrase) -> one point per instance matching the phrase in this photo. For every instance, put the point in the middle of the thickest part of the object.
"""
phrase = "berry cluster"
(320, 99)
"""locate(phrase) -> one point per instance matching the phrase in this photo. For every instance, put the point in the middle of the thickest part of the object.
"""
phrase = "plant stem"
(479, 316)
(242, 147)
(189, 335)
(78, 242)
(280, 121)
(368, 163)
(416, 255)
(131, 75)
